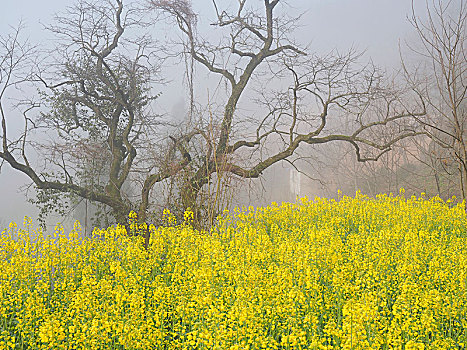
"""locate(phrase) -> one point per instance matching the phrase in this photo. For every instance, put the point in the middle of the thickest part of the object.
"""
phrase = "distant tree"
(104, 142)
(441, 80)
(3, 224)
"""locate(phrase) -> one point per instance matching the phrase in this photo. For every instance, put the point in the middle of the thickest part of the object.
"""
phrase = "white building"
(294, 184)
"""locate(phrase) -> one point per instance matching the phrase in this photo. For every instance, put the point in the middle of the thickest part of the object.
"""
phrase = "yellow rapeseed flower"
(357, 273)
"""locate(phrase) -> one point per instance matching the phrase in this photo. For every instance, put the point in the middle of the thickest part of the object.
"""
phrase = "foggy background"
(376, 26)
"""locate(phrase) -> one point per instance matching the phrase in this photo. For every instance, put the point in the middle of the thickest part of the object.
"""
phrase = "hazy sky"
(373, 25)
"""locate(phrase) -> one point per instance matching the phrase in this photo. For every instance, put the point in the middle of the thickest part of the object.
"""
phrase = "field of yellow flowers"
(358, 273)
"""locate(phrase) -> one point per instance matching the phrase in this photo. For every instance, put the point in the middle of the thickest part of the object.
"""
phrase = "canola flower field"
(358, 273)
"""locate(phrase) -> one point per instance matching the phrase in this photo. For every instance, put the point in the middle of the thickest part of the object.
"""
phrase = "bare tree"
(95, 117)
(15, 56)
(442, 49)
(322, 94)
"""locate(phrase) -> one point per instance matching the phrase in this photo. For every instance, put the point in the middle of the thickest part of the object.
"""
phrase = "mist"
(376, 27)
